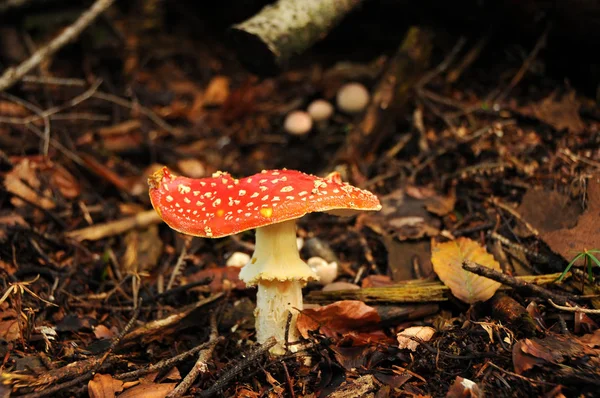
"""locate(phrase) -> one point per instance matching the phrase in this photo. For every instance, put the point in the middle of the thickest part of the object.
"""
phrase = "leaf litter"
(458, 180)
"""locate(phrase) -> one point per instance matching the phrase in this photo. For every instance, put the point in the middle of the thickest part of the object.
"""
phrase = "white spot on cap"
(242, 192)
(182, 188)
(186, 200)
(287, 188)
(169, 198)
(216, 202)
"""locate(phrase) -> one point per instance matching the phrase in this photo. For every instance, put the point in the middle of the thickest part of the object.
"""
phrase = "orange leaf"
(447, 259)
(338, 317)
(149, 390)
(104, 386)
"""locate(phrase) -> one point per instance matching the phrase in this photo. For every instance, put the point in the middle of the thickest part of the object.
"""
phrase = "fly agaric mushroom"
(269, 202)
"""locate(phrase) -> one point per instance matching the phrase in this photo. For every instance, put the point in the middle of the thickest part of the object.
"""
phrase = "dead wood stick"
(96, 232)
(233, 372)
(160, 365)
(515, 282)
(410, 292)
(13, 75)
(161, 324)
(390, 94)
(288, 27)
(201, 365)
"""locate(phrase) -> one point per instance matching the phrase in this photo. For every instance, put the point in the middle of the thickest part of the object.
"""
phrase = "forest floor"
(481, 149)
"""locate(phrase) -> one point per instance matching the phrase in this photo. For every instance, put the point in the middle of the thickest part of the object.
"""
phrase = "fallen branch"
(267, 40)
(96, 232)
(391, 93)
(13, 75)
(236, 370)
(201, 365)
(515, 282)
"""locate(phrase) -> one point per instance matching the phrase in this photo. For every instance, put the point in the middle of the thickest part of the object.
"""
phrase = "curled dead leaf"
(447, 259)
(338, 317)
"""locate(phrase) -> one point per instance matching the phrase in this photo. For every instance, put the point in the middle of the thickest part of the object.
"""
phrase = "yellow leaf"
(447, 259)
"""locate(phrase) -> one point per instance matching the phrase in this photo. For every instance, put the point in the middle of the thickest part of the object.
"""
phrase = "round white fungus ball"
(297, 123)
(238, 259)
(352, 98)
(320, 110)
(327, 272)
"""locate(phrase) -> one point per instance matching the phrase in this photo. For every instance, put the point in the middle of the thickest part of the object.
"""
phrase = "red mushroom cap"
(221, 205)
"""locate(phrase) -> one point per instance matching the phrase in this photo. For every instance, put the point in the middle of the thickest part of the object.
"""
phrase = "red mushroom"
(269, 202)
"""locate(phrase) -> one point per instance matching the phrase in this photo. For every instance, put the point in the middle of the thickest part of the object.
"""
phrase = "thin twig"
(518, 376)
(513, 282)
(515, 214)
(201, 366)
(178, 264)
(234, 372)
(164, 364)
(13, 75)
(541, 43)
(574, 308)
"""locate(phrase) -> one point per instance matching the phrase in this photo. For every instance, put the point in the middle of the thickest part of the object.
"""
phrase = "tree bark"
(267, 40)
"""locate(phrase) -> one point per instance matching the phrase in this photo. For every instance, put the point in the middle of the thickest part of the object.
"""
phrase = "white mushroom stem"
(280, 273)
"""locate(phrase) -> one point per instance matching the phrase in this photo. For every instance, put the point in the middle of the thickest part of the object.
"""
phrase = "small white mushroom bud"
(327, 272)
(238, 259)
(352, 98)
(297, 123)
(320, 110)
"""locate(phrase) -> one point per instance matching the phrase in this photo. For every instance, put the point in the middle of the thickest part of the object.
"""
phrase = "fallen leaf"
(553, 349)
(102, 332)
(149, 390)
(223, 278)
(62, 179)
(104, 386)
(464, 388)
(217, 91)
(585, 234)
(560, 113)
(424, 333)
(537, 204)
(338, 317)
(353, 357)
(447, 259)
(23, 181)
(404, 256)
(9, 325)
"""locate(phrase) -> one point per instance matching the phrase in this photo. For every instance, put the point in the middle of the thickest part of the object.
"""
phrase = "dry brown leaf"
(464, 388)
(22, 180)
(9, 325)
(104, 386)
(447, 259)
(217, 91)
(537, 204)
(62, 179)
(338, 317)
(586, 234)
(102, 332)
(149, 390)
(424, 333)
(560, 114)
